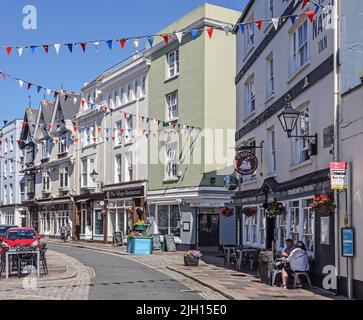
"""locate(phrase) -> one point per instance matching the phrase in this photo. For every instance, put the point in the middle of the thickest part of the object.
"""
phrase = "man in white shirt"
(298, 261)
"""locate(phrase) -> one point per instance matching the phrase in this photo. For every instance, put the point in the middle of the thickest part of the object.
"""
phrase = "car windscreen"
(21, 235)
(2, 231)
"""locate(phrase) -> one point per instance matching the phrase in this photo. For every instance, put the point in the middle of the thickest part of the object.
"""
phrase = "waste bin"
(265, 259)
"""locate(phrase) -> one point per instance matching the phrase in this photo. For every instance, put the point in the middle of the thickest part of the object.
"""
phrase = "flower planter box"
(323, 209)
(140, 245)
(191, 261)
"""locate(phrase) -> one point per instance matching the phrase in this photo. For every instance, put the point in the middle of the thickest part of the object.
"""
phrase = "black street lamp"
(289, 119)
(94, 175)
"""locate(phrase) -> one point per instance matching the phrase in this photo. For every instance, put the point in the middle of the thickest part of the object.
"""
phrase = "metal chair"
(297, 274)
(26, 256)
(229, 254)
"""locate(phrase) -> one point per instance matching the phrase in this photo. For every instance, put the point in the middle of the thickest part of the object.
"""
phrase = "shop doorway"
(208, 229)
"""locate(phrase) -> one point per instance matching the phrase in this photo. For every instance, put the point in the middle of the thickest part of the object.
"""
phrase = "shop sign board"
(347, 242)
(338, 175)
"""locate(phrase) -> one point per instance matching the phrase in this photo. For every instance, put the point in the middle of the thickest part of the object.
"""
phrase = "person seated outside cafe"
(289, 247)
(297, 261)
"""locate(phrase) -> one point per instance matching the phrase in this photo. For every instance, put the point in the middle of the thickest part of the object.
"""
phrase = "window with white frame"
(308, 225)
(249, 36)
(5, 194)
(88, 165)
(301, 146)
(300, 47)
(128, 167)
(63, 144)
(250, 229)
(45, 149)
(118, 168)
(294, 210)
(143, 87)
(5, 168)
(281, 230)
(129, 127)
(11, 194)
(11, 143)
(123, 96)
(118, 133)
(250, 105)
(6, 146)
(172, 103)
(172, 168)
(272, 151)
(270, 76)
(63, 177)
(11, 167)
(168, 220)
(262, 227)
(46, 180)
(173, 63)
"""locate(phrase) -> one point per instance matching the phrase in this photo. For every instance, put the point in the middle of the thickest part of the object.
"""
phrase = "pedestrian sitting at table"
(289, 247)
(297, 261)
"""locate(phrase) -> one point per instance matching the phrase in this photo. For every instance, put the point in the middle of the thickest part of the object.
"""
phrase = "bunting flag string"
(166, 37)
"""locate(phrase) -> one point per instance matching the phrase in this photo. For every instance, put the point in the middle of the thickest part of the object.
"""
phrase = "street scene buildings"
(226, 135)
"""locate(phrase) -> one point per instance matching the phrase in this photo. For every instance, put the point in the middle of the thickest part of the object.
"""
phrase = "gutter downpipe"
(337, 103)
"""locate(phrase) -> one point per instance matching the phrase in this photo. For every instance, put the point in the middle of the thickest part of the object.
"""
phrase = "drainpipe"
(337, 103)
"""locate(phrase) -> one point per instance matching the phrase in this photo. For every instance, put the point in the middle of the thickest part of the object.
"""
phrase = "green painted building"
(191, 85)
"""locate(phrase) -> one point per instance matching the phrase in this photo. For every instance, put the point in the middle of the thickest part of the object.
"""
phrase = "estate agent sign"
(338, 175)
(245, 163)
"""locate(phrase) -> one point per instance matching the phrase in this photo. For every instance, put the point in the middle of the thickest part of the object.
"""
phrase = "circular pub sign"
(245, 163)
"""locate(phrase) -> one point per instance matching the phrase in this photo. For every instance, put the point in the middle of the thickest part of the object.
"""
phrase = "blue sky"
(72, 21)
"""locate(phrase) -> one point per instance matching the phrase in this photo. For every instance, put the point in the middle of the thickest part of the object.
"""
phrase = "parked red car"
(16, 237)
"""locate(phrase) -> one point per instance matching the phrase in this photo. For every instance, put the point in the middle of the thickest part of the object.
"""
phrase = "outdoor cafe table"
(14, 252)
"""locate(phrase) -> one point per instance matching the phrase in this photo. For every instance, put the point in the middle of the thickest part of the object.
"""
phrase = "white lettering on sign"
(30, 20)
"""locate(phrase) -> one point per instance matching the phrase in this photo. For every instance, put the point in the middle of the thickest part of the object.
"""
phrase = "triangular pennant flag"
(151, 41)
(8, 50)
(21, 83)
(293, 18)
(310, 15)
(179, 36)
(241, 27)
(83, 45)
(210, 32)
(24, 124)
(46, 48)
(122, 43)
(49, 92)
(97, 45)
(32, 49)
(259, 24)
(20, 51)
(75, 128)
(226, 29)
(57, 47)
(50, 126)
(166, 38)
(275, 22)
(18, 142)
(109, 44)
(3, 75)
(39, 88)
(70, 47)
(75, 100)
(83, 102)
(29, 85)
(194, 34)
(305, 2)
(99, 129)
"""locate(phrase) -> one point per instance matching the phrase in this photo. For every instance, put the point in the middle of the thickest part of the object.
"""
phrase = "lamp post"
(289, 119)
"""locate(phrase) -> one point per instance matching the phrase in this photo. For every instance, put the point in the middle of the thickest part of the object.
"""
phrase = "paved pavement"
(68, 279)
(225, 283)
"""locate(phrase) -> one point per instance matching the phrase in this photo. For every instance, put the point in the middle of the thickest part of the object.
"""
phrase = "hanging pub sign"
(338, 175)
(245, 163)
(231, 183)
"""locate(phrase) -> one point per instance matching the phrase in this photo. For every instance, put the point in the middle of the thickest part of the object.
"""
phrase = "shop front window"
(294, 220)
(98, 222)
(163, 223)
(308, 225)
(175, 220)
(169, 220)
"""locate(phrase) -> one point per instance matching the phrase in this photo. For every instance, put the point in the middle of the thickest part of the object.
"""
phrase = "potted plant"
(322, 204)
(249, 211)
(275, 209)
(191, 258)
(227, 212)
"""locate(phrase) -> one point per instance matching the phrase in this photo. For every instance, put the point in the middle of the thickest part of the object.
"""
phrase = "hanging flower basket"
(249, 211)
(275, 209)
(323, 204)
(227, 212)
